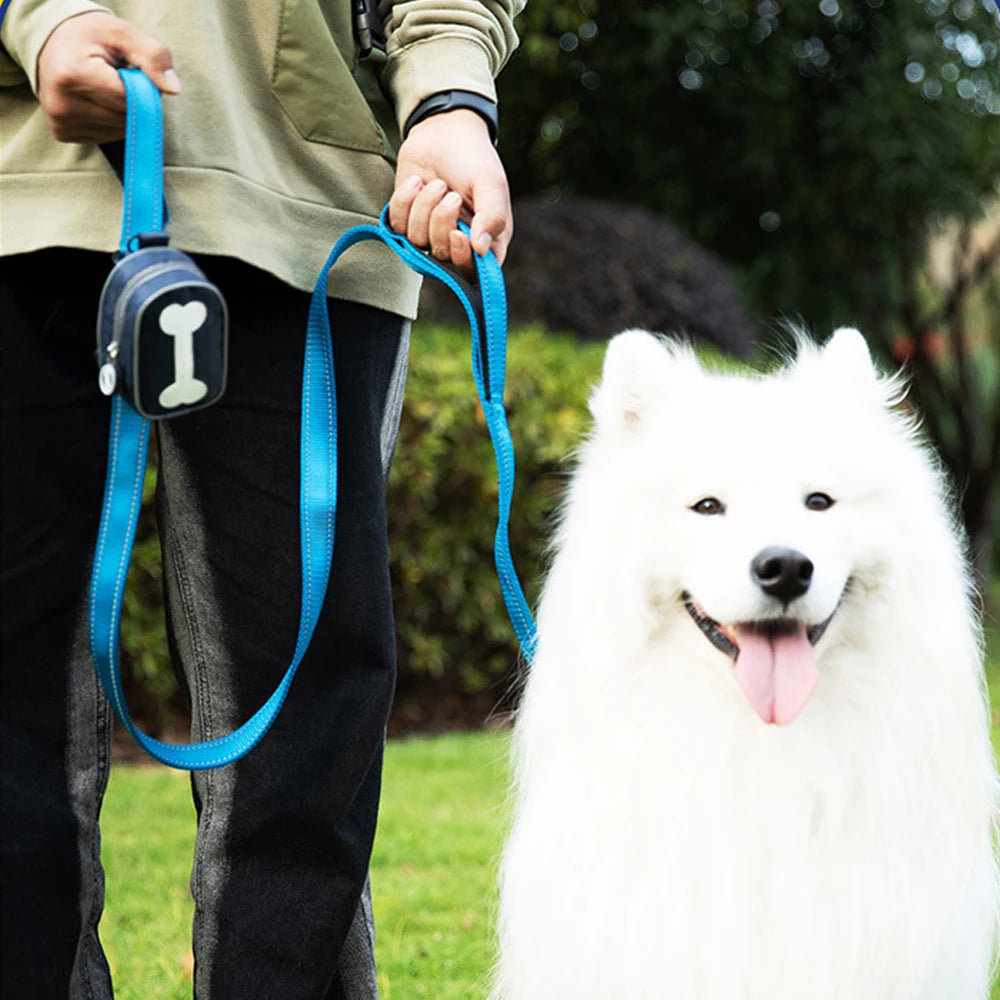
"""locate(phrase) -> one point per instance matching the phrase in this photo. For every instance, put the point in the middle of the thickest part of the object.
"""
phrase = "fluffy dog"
(752, 759)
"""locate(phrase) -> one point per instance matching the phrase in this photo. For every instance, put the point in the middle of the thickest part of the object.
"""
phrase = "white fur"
(666, 842)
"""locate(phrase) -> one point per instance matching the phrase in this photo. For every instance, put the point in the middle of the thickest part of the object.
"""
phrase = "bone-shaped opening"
(182, 322)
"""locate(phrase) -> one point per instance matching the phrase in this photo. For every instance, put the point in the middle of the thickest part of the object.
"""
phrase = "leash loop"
(486, 311)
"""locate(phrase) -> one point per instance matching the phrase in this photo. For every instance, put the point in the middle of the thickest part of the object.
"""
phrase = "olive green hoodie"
(271, 149)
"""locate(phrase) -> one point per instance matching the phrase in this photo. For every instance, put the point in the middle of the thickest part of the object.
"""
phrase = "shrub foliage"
(585, 267)
(453, 633)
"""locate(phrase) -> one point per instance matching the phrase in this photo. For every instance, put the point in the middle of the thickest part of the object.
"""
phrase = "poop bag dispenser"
(161, 332)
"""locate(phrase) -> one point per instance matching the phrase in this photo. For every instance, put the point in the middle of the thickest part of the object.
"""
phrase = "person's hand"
(78, 84)
(448, 169)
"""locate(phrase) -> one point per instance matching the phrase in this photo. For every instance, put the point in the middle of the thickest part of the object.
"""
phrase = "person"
(271, 152)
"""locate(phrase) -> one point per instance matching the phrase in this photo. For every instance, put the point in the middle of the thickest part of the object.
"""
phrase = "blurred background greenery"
(713, 167)
(842, 158)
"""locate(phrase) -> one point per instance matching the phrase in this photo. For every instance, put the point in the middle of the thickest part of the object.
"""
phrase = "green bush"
(454, 638)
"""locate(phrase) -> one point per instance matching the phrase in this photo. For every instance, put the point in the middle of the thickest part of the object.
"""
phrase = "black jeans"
(284, 835)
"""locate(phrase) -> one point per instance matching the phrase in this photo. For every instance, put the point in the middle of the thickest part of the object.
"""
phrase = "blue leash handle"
(489, 365)
(129, 437)
(142, 208)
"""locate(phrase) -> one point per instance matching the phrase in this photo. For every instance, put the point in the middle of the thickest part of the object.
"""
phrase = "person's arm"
(70, 51)
(448, 167)
(26, 26)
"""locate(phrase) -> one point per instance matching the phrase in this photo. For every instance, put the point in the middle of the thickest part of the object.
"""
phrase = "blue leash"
(488, 324)
(129, 436)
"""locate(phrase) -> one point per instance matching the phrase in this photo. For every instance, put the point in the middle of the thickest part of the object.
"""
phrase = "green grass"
(433, 871)
(148, 825)
(434, 868)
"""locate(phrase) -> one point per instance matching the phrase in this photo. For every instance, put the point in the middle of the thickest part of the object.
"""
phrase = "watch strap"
(450, 100)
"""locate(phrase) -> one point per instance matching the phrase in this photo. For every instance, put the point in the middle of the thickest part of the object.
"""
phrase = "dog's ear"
(847, 352)
(634, 383)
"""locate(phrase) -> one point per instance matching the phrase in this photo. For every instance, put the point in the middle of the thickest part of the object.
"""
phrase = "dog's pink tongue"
(778, 673)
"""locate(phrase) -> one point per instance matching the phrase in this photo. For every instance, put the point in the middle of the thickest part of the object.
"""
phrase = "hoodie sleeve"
(26, 28)
(436, 45)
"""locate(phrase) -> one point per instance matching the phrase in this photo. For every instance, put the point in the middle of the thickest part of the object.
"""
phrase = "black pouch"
(162, 332)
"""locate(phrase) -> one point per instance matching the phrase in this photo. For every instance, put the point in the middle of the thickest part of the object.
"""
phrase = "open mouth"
(727, 639)
(773, 660)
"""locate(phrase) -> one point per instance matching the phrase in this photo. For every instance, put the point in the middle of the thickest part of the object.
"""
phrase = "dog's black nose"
(782, 573)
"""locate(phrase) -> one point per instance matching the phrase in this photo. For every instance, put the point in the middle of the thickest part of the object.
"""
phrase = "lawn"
(433, 871)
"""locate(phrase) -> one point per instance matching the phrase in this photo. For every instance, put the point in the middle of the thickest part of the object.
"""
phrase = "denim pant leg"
(284, 835)
(55, 725)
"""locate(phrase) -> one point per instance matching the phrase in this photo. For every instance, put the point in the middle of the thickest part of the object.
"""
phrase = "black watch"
(449, 100)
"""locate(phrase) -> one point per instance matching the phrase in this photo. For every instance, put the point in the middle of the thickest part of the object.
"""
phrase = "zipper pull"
(107, 376)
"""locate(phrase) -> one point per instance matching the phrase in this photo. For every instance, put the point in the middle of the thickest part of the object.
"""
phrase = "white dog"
(753, 757)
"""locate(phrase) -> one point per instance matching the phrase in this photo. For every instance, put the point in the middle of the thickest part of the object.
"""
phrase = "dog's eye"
(819, 501)
(708, 505)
